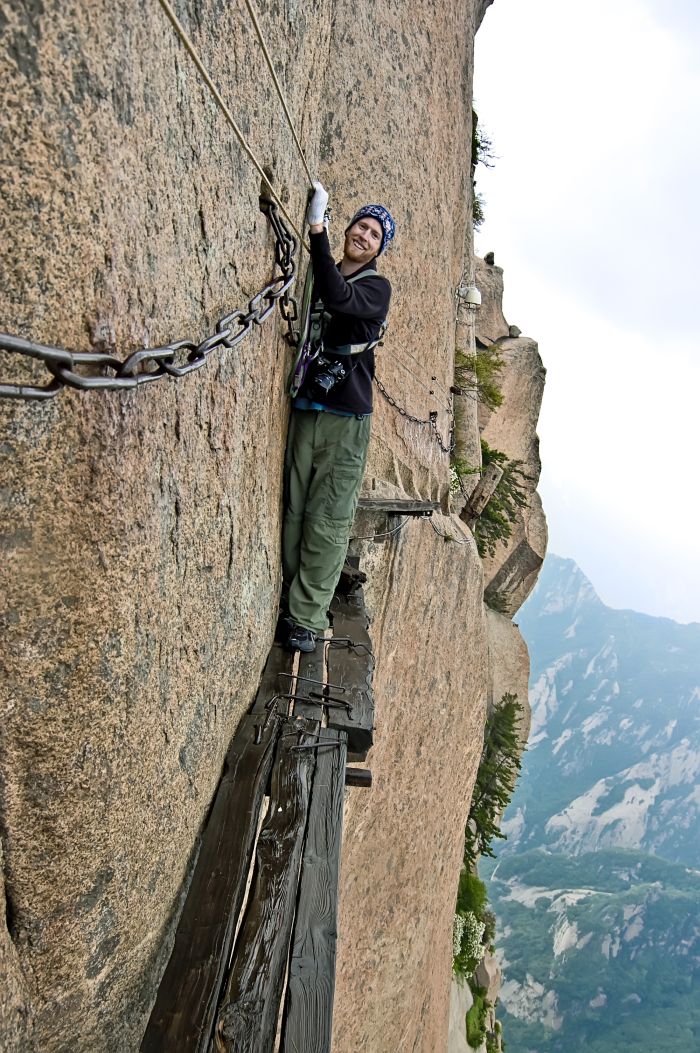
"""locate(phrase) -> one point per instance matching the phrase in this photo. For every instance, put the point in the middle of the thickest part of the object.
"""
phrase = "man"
(331, 411)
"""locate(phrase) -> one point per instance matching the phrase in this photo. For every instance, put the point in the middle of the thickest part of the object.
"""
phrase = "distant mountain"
(614, 752)
(597, 889)
(599, 952)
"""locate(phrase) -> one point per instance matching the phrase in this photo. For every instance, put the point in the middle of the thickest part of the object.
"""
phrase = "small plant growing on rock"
(496, 601)
(482, 147)
(481, 153)
(478, 215)
(470, 950)
(476, 1018)
(495, 522)
(492, 1043)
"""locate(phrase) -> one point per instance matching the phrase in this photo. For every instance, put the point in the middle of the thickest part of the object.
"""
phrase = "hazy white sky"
(593, 211)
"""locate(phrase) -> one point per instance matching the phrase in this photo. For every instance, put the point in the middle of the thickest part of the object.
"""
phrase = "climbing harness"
(310, 348)
(149, 364)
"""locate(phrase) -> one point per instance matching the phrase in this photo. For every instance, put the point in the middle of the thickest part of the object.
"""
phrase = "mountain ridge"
(596, 890)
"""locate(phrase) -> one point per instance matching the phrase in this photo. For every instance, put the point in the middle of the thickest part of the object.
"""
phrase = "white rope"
(266, 53)
(189, 47)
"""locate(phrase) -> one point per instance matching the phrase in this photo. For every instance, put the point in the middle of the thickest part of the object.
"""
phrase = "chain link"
(431, 422)
(176, 359)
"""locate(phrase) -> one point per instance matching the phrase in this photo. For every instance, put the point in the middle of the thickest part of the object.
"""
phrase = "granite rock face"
(403, 840)
(140, 530)
(15, 1017)
(461, 1001)
(508, 666)
(511, 574)
(491, 323)
(488, 976)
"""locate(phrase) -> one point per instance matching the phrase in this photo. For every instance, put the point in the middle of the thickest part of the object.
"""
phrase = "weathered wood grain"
(352, 668)
(248, 1013)
(311, 668)
(279, 661)
(308, 1013)
(184, 1012)
(482, 492)
(400, 506)
(358, 777)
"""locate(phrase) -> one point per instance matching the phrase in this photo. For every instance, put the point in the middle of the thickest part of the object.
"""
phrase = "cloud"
(592, 210)
(593, 110)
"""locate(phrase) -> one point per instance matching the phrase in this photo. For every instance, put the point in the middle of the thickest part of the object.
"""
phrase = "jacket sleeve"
(364, 299)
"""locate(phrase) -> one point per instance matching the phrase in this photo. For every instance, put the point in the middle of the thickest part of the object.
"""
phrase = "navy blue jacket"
(357, 311)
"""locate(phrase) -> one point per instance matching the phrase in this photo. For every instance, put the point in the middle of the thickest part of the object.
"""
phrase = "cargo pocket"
(342, 493)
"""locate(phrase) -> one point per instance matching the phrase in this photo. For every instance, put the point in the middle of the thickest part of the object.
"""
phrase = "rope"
(189, 47)
(449, 537)
(266, 53)
(445, 405)
(387, 533)
(423, 370)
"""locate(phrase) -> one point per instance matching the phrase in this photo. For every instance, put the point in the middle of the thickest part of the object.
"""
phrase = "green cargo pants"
(324, 465)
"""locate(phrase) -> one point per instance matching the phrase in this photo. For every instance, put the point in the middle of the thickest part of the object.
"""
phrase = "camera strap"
(313, 329)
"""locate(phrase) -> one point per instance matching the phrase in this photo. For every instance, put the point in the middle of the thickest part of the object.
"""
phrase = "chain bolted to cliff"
(178, 358)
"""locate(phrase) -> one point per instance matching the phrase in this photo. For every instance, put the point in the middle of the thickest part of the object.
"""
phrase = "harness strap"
(319, 315)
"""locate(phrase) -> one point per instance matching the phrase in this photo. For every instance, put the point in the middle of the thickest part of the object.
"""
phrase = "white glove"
(317, 205)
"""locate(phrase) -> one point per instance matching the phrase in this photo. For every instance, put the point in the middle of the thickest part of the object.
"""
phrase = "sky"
(593, 210)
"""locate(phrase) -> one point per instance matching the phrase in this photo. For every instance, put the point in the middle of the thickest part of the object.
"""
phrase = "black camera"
(329, 375)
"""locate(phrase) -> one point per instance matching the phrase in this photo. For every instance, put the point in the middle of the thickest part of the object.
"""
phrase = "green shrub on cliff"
(476, 1018)
(468, 949)
(495, 779)
(495, 522)
(481, 374)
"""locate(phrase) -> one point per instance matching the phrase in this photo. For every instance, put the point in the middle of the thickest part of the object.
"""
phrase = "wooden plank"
(247, 1018)
(352, 669)
(400, 506)
(358, 777)
(184, 1012)
(482, 492)
(311, 668)
(279, 660)
(308, 1012)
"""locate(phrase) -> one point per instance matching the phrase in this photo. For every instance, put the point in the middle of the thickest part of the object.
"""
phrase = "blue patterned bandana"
(384, 216)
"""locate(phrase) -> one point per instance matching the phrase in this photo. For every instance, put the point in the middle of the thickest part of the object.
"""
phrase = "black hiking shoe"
(301, 639)
(284, 626)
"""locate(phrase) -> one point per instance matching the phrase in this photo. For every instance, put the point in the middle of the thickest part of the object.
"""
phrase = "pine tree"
(495, 780)
(494, 523)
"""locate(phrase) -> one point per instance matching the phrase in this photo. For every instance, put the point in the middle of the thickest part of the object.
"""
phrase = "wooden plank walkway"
(247, 1018)
(308, 1011)
(185, 1008)
(351, 667)
(398, 506)
(225, 996)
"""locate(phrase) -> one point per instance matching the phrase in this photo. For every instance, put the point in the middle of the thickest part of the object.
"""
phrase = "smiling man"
(331, 412)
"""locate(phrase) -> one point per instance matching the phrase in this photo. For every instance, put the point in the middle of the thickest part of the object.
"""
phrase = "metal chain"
(431, 422)
(176, 359)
